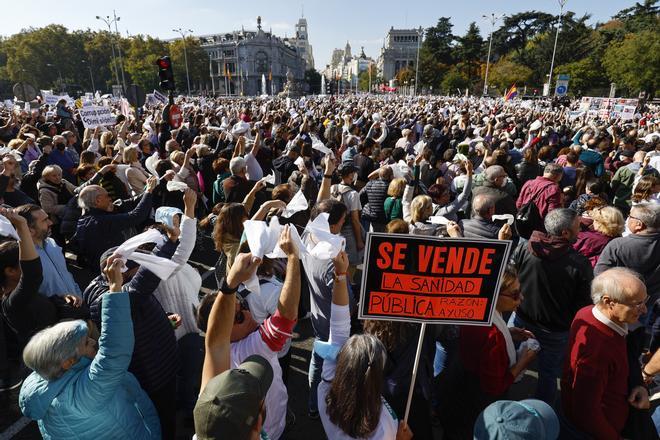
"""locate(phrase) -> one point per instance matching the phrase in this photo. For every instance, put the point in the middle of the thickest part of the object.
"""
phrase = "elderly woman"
(77, 391)
(136, 176)
(608, 223)
(54, 192)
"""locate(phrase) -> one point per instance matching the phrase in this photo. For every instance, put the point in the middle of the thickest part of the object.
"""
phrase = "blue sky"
(331, 23)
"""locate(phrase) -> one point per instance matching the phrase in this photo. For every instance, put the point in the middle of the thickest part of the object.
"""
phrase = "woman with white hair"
(79, 391)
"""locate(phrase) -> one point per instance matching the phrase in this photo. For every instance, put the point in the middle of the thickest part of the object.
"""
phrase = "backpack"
(528, 217)
(337, 193)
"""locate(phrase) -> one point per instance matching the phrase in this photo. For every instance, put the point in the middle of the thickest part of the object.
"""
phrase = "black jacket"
(555, 280)
(376, 193)
(504, 203)
(479, 228)
(155, 361)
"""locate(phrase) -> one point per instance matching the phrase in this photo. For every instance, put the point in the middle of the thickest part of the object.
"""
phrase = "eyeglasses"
(239, 317)
(638, 306)
(515, 295)
(636, 218)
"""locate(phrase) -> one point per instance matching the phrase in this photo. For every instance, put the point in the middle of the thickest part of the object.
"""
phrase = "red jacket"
(591, 244)
(594, 386)
(545, 192)
(483, 352)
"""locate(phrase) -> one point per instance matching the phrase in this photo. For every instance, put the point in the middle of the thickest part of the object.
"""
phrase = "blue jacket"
(57, 278)
(96, 398)
(593, 160)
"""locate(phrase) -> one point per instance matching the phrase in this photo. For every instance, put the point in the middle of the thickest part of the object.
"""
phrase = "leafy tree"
(518, 29)
(363, 78)
(635, 62)
(469, 51)
(584, 74)
(313, 80)
(640, 16)
(198, 62)
(505, 72)
(140, 61)
(438, 41)
(99, 56)
(454, 79)
(431, 70)
(407, 74)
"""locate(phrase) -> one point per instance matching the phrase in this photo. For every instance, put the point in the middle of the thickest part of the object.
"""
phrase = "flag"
(512, 93)
(224, 72)
(229, 74)
(270, 75)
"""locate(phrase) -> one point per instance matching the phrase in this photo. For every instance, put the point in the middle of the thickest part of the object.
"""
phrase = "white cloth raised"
(161, 267)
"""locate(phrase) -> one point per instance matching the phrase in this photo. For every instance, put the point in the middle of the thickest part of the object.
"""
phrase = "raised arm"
(221, 319)
(188, 229)
(326, 183)
(290, 295)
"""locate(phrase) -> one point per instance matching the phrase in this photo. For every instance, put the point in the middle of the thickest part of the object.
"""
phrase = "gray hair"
(50, 169)
(612, 283)
(649, 214)
(50, 347)
(482, 204)
(493, 172)
(553, 169)
(236, 165)
(87, 197)
(559, 220)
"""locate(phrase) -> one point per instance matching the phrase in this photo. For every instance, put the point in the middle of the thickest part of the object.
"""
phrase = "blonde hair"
(396, 187)
(608, 221)
(420, 207)
(130, 155)
(176, 157)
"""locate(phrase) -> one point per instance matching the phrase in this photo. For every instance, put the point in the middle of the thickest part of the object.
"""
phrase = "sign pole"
(420, 342)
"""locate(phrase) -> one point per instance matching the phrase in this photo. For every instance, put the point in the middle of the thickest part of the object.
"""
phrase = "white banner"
(160, 97)
(93, 116)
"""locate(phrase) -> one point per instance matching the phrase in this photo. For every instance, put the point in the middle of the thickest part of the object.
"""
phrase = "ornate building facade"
(398, 52)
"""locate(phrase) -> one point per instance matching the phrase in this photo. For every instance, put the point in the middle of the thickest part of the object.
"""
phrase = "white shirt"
(623, 331)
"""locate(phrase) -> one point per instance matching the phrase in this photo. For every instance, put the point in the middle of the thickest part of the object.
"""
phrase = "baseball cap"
(229, 406)
(525, 420)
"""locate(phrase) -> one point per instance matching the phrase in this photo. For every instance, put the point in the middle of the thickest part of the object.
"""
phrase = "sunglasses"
(516, 295)
(239, 317)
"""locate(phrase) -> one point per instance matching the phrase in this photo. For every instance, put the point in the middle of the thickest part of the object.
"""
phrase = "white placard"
(160, 97)
(93, 116)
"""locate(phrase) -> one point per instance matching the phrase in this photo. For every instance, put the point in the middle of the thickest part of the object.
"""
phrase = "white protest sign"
(160, 97)
(93, 116)
(52, 99)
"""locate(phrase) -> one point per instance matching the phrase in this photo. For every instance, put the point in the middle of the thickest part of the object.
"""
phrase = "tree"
(518, 29)
(407, 74)
(453, 80)
(313, 80)
(505, 72)
(640, 16)
(438, 41)
(140, 61)
(635, 62)
(363, 78)
(99, 55)
(584, 74)
(431, 71)
(198, 63)
(469, 51)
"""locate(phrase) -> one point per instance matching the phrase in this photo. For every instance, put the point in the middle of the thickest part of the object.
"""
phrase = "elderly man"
(493, 186)
(624, 179)
(99, 228)
(237, 186)
(555, 280)
(481, 224)
(639, 251)
(595, 393)
(59, 156)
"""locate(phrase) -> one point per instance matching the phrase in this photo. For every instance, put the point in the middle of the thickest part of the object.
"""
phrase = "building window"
(229, 53)
(261, 62)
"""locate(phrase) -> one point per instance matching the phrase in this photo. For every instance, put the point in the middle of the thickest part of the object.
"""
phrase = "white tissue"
(7, 229)
(298, 203)
(507, 217)
(174, 185)
(438, 220)
(161, 267)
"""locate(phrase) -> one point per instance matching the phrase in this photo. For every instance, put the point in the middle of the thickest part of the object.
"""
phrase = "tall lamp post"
(554, 49)
(185, 53)
(59, 74)
(493, 18)
(91, 76)
(109, 22)
(420, 35)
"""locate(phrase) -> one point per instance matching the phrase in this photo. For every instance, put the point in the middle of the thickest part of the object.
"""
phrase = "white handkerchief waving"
(327, 245)
(298, 203)
(161, 267)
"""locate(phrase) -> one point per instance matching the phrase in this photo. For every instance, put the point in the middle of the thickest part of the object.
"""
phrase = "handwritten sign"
(92, 116)
(429, 279)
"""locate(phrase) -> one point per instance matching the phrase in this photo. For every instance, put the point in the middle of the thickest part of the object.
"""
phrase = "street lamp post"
(59, 73)
(554, 49)
(420, 35)
(121, 63)
(91, 76)
(185, 53)
(493, 18)
(108, 22)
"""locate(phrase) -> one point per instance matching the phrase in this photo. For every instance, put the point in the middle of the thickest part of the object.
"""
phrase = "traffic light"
(165, 73)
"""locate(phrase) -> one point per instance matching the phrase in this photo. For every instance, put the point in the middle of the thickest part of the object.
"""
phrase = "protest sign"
(160, 97)
(433, 280)
(93, 116)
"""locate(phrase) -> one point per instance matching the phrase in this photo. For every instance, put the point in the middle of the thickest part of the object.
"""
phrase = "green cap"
(229, 406)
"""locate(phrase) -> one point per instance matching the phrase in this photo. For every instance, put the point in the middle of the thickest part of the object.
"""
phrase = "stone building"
(237, 61)
(302, 42)
(398, 52)
(347, 67)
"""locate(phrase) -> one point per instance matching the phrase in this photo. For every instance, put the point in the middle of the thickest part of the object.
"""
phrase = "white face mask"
(354, 178)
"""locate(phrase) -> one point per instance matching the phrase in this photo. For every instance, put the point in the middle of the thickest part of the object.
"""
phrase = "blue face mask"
(326, 350)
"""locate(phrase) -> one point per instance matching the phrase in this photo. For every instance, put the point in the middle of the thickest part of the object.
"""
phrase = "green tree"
(640, 16)
(198, 63)
(505, 72)
(363, 79)
(313, 80)
(99, 56)
(584, 74)
(518, 29)
(438, 41)
(635, 62)
(140, 61)
(431, 71)
(453, 80)
(469, 52)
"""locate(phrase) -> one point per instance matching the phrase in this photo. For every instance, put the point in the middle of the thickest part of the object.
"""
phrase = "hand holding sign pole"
(427, 279)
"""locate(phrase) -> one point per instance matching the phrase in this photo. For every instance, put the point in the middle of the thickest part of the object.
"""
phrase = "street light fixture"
(554, 50)
(109, 22)
(420, 35)
(493, 19)
(185, 54)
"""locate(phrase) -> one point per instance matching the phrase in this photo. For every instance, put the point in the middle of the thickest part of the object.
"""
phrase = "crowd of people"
(286, 190)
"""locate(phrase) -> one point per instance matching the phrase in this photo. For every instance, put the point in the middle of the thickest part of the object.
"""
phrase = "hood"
(37, 393)
(547, 246)
(43, 184)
